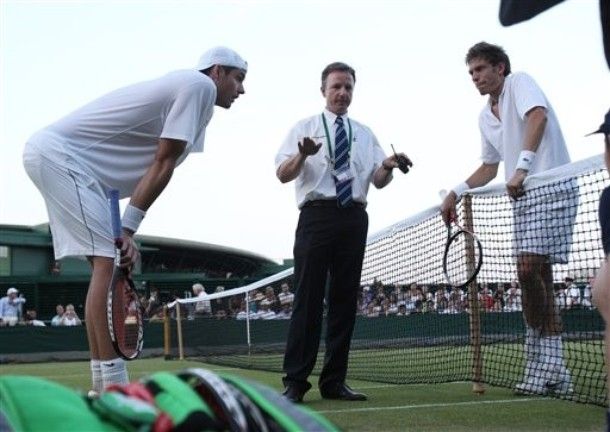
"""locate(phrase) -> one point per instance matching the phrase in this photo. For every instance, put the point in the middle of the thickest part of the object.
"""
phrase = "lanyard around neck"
(330, 150)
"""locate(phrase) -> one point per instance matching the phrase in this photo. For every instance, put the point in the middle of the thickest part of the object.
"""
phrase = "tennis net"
(414, 328)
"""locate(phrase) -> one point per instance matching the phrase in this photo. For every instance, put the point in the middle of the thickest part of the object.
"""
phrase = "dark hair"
(494, 54)
(227, 69)
(337, 67)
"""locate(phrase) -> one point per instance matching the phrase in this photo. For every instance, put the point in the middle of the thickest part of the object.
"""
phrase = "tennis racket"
(123, 310)
(217, 394)
(463, 256)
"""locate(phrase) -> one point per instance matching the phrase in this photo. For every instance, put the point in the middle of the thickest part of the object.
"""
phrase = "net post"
(167, 335)
(473, 303)
(179, 332)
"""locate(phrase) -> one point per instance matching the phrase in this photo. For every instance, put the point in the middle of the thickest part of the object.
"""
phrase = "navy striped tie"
(344, 188)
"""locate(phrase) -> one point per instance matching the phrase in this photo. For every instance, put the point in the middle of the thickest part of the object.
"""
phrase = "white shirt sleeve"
(526, 94)
(378, 153)
(290, 145)
(188, 114)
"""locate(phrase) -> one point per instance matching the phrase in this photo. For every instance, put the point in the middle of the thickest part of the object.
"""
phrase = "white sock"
(96, 376)
(552, 349)
(114, 372)
(532, 343)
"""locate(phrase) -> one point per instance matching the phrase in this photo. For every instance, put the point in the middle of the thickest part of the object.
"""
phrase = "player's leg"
(95, 364)
(553, 360)
(533, 302)
(79, 218)
(113, 369)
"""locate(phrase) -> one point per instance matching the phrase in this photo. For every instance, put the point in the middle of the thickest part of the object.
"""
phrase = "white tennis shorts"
(543, 221)
(79, 213)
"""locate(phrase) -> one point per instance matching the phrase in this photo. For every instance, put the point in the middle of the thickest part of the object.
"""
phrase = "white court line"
(379, 386)
(441, 405)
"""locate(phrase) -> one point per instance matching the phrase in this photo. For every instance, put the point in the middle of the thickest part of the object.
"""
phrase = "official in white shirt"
(333, 159)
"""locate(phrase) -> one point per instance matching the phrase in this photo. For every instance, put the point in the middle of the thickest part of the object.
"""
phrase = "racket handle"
(115, 214)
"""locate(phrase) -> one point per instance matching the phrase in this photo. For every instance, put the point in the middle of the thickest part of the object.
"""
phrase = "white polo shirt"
(502, 140)
(114, 138)
(315, 181)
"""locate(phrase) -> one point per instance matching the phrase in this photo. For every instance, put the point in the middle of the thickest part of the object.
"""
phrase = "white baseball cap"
(11, 290)
(222, 56)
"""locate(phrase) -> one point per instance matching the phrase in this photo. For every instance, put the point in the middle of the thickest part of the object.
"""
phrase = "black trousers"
(329, 242)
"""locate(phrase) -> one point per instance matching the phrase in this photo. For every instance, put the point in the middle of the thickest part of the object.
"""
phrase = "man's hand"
(397, 160)
(514, 187)
(309, 147)
(448, 208)
(129, 251)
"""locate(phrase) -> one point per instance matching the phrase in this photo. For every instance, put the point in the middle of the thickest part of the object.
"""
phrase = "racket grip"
(115, 214)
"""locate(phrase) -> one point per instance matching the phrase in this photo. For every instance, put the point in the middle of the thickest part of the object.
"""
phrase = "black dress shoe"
(294, 394)
(342, 392)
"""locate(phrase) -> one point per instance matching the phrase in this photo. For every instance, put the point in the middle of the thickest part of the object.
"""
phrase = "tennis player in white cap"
(130, 139)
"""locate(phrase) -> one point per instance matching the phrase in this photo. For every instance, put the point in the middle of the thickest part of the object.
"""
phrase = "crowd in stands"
(13, 312)
(267, 304)
(383, 300)
(273, 303)
(375, 300)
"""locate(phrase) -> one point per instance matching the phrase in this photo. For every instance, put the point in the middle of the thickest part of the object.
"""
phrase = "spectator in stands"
(441, 301)
(400, 293)
(242, 314)
(131, 139)
(271, 299)
(202, 308)
(392, 304)
(499, 298)
(486, 298)
(372, 310)
(252, 301)
(285, 296)
(455, 302)
(59, 313)
(154, 303)
(31, 319)
(70, 317)
(586, 294)
(220, 306)
(412, 297)
(513, 300)
(366, 298)
(518, 125)
(402, 310)
(266, 312)
(428, 306)
(285, 312)
(572, 292)
(11, 307)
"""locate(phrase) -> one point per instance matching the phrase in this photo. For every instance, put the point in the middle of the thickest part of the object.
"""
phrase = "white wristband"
(460, 189)
(526, 160)
(132, 218)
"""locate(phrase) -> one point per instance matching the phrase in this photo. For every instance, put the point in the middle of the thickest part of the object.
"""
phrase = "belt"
(332, 203)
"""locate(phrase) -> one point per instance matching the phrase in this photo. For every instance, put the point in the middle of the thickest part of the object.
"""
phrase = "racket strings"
(127, 320)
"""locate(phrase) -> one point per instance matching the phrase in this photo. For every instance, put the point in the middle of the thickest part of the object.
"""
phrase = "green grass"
(417, 407)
